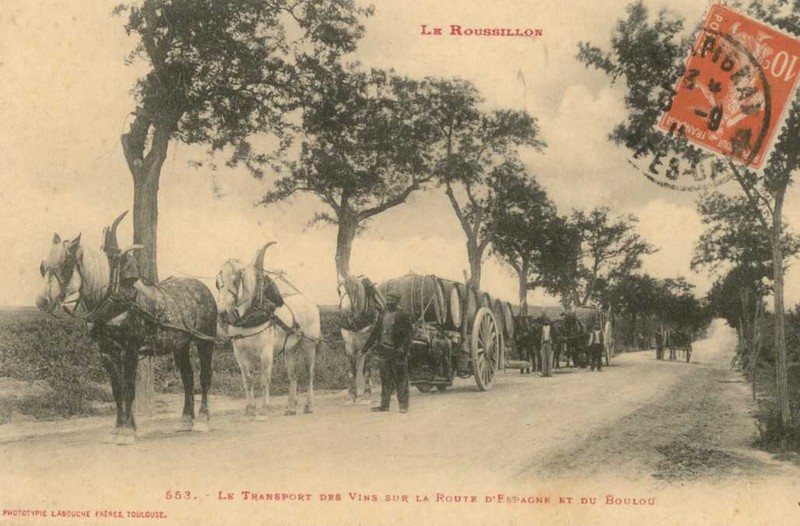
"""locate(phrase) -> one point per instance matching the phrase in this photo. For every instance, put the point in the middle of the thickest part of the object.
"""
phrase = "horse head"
(236, 284)
(61, 281)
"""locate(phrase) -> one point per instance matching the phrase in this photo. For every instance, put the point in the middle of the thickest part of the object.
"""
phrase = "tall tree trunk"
(145, 170)
(344, 245)
(145, 220)
(522, 274)
(781, 370)
(474, 254)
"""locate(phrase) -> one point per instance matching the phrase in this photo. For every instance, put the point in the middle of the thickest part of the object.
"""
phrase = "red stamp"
(738, 81)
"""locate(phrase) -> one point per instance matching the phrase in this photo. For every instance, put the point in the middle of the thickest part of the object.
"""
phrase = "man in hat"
(546, 347)
(390, 341)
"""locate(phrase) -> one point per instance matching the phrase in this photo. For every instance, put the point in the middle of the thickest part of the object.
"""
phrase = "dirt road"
(648, 440)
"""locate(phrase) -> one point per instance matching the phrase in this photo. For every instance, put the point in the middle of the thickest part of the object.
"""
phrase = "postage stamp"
(738, 82)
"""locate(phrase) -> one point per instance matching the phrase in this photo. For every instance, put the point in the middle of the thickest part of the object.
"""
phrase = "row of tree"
(647, 56)
(226, 74)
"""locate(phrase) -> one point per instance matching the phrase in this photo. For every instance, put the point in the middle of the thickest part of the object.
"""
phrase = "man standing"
(659, 345)
(390, 342)
(596, 348)
(546, 347)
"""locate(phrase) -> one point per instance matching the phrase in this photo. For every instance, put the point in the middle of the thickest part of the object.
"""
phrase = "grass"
(57, 351)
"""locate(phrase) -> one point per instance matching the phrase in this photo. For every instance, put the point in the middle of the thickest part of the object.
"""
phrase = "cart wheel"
(425, 388)
(441, 388)
(485, 344)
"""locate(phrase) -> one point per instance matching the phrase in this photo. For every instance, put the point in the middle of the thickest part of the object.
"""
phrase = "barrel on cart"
(458, 331)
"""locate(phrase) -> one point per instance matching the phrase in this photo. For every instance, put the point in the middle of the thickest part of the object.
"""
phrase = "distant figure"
(659, 345)
(390, 341)
(596, 348)
(546, 347)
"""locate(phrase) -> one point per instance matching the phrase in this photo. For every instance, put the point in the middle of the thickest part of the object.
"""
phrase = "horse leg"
(368, 377)
(128, 363)
(112, 366)
(266, 378)
(352, 374)
(184, 365)
(248, 379)
(291, 371)
(205, 350)
(311, 354)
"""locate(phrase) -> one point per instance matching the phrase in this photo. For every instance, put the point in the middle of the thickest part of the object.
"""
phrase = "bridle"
(66, 271)
(355, 321)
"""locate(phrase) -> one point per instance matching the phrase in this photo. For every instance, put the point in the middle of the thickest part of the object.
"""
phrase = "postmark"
(729, 100)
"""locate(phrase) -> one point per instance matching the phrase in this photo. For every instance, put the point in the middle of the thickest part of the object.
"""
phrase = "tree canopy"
(470, 143)
(220, 72)
(521, 224)
(365, 148)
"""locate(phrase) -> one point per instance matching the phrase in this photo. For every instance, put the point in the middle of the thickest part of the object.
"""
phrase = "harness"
(114, 303)
(364, 318)
(264, 286)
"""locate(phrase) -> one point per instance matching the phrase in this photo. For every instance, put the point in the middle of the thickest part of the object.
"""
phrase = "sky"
(65, 100)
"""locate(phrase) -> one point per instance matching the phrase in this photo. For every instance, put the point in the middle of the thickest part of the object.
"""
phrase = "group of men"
(596, 345)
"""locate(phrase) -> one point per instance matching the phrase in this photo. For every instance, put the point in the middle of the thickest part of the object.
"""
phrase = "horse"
(359, 306)
(573, 336)
(238, 290)
(128, 317)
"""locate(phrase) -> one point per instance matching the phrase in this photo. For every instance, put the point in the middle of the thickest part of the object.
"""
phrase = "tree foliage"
(365, 149)
(522, 225)
(610, 250)
(470, 143)
(648, 56)
(218, 73)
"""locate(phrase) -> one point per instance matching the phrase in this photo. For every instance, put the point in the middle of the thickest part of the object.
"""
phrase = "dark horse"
(572, 340)
(128, 317)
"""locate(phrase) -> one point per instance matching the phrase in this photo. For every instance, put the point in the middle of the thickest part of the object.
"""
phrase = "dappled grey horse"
(129, 317)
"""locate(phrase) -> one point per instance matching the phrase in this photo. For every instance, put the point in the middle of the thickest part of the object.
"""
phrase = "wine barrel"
(422, 297)
(500, 315)
(452, 295)
(508, 318)
(470, 307)
(484, 300)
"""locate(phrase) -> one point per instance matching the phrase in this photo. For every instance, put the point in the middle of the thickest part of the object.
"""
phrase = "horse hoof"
(261, 418)
(186, 425)
(349, 401)
(125, 439)
(111, 437)
(201, 426)
(290, 412)
(307, 410)
(365, 401)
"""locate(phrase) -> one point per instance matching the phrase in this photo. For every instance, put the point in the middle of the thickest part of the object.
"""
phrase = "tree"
(365, 150)
(734, 241)
(220, 71)
(648, 57)
(520, 224)
(470, 143)
(610, 249)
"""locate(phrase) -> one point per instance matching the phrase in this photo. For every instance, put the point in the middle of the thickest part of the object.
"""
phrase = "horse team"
(129, 317)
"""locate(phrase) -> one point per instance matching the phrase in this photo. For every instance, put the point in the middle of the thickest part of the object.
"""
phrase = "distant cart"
(679, 345)
(458, 331)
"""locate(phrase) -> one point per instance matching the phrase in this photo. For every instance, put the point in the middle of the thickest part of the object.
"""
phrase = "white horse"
(237, 289)
(358, 305)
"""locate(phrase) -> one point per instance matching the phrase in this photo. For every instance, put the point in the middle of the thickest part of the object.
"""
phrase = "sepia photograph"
(375, 262)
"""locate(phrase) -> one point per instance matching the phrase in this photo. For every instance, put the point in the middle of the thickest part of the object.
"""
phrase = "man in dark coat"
(390, 341)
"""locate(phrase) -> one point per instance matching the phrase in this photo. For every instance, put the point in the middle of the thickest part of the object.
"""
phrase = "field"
(49, 368)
